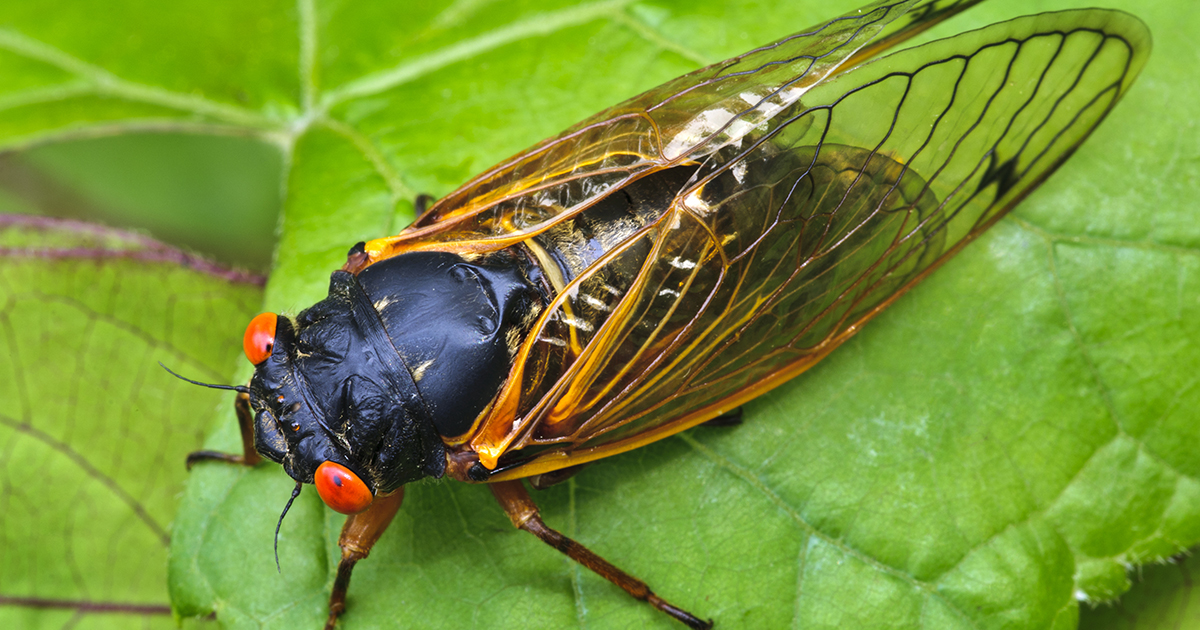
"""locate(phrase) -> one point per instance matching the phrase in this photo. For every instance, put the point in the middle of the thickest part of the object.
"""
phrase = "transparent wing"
(689, 117)
(791, 237)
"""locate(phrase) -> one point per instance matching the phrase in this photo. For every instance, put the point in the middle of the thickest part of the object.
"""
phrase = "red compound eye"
(341, 489)
(260, 337)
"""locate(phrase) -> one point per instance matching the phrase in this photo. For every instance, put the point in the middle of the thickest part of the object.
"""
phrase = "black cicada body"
(376, 375)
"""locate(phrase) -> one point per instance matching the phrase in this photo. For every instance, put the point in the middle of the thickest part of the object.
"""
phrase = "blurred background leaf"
(1012, 438)
(1165, 597)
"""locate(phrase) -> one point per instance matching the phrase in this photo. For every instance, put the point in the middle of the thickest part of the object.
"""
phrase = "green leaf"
(93, 432)
(1008, 439)
(1164, 598)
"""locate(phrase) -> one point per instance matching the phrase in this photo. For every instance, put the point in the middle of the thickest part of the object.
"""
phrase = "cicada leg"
(422, 203)
(523, 513)
(359, 535)
(554, 477)
(728, 419)
(249, 456)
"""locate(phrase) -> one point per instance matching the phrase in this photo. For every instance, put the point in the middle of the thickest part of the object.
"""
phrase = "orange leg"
(249, 456)
(359, 534)
(523, 513)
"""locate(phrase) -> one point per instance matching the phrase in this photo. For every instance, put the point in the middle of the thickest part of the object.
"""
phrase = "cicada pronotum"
(665, 261)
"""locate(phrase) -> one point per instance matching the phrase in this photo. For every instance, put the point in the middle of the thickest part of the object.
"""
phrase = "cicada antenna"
(295, 493)
(241, 389)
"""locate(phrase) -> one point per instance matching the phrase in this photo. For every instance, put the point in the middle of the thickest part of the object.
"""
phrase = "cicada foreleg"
(523, 513)
(359, 535)
(249, 456)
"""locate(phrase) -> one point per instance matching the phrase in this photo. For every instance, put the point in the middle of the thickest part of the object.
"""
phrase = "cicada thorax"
(397, 359)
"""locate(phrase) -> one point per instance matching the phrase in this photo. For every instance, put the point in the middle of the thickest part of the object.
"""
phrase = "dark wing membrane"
(791, 238)
(688, 117)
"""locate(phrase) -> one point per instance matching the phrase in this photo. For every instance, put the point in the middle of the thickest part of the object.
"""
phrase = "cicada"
(665, 261)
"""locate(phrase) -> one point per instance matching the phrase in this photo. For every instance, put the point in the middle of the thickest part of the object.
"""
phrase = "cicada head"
(327, 425)
(356, 393)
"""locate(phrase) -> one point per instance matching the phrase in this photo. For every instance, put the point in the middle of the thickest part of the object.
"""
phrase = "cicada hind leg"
(249, 456)
(728, 419)
(523, 513)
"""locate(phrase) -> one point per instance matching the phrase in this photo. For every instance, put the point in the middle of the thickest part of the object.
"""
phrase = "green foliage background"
(1014, 436)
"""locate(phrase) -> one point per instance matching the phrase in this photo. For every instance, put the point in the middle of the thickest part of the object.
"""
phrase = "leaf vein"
(410, 70)
(929, 589)
(144, 125)
(654, 36)
(375, 156)
(107, 83)
(308, 53)
(1076, 239)
(93, 472)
